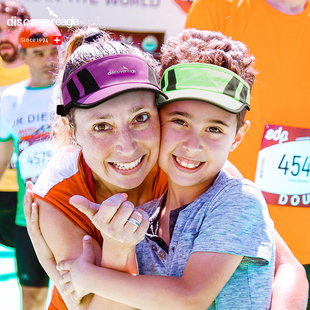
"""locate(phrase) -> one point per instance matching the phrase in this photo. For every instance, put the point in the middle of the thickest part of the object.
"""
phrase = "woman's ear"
(240, 134)
(70, 130)
(68, 127)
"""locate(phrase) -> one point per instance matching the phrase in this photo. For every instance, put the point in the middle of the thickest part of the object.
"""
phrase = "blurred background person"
(12, 67)
(12, 70)
(26, 117)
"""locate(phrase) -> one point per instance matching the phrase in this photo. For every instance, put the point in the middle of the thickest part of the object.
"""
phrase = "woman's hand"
(119, 223)
(42, 250)
(76, 271)
(121, 226)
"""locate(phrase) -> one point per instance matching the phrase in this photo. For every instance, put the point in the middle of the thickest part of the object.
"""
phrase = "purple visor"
(102, 79)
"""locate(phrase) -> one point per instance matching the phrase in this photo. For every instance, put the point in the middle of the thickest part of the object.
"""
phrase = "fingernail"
(86, 238)
(125, 195)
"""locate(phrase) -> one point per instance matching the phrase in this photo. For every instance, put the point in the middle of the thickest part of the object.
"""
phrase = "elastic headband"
(102, 79)
(205, 82)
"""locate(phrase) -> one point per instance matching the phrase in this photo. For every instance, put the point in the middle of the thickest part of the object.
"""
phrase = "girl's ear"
(240, 134)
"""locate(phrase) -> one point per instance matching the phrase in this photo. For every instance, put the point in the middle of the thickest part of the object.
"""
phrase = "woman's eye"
(142, 118)
(102, 127)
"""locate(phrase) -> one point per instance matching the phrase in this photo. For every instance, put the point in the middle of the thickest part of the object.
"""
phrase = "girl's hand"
(76, 271)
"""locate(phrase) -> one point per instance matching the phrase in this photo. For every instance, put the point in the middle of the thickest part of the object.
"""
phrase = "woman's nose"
(126, 143)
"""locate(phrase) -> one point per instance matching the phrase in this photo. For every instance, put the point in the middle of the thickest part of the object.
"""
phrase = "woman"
(108, 91)
(127, 154)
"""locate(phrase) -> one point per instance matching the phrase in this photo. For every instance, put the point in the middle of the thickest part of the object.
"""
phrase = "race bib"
(283, 166)
(34, 154)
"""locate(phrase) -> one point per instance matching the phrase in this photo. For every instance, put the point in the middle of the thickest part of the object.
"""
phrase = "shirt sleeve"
(238, 222)
(5, 128)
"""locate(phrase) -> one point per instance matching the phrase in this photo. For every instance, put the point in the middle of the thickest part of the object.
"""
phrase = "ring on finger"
(133, 221)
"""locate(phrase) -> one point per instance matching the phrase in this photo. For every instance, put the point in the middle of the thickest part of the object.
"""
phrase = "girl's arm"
(204, 277)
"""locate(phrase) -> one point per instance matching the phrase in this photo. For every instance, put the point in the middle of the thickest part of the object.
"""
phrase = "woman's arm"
(42, 250)
(66, 236)
(63, 238)
(204, 277)
(290, 286)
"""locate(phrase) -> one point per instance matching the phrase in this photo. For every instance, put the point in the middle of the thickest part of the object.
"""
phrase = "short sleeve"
(238, 223)
(5, 116)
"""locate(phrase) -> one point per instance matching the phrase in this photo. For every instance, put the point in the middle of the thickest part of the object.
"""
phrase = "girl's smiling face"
(196, 138)
(120, 139)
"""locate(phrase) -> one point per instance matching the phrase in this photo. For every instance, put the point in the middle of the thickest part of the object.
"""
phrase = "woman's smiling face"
(120, 139)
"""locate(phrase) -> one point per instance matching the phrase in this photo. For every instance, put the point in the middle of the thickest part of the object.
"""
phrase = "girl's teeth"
(187, 165)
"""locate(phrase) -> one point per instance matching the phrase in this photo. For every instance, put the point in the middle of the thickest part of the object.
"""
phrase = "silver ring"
(133, 221)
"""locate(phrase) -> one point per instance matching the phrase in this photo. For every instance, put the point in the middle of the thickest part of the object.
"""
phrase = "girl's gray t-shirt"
(230, 217)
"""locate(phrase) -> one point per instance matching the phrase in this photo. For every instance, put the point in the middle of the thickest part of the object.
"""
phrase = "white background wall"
(132, 15)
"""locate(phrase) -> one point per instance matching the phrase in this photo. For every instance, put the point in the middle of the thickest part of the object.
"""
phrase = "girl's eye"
(180, 122)
(214, 130)
(142, 118)
(102, 127)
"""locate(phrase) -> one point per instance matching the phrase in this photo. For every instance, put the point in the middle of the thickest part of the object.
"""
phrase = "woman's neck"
(290, 7)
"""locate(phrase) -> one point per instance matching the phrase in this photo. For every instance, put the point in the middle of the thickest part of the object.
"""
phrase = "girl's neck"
(178, 196)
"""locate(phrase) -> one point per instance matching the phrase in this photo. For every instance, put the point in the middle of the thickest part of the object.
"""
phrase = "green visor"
(205, 82)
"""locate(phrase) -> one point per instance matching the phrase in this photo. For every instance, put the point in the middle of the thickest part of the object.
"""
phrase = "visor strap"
(60, 110)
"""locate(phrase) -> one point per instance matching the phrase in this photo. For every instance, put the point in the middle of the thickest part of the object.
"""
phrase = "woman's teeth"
(128, 166)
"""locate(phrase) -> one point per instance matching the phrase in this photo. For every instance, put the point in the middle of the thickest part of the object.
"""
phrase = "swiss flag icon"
(57, 40)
